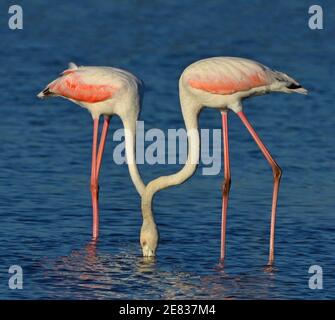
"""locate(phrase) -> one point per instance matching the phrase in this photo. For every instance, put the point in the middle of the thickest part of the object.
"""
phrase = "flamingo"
(103, 91)
(221, 83)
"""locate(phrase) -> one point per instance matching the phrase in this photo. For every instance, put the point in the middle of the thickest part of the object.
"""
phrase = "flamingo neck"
(190, 112)
(130, 144)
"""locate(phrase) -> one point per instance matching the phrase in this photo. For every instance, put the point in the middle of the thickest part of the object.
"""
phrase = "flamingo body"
(73, 86)
(222, 82)
(101, 90)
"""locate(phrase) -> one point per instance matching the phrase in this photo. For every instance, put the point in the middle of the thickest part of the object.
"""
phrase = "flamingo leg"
(94, 180)
(226, 184)
(96, 165)
(276, 180)
(102, 145)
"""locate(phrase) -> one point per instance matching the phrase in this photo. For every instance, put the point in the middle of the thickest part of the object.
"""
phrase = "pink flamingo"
(103, 91)
(221, 83)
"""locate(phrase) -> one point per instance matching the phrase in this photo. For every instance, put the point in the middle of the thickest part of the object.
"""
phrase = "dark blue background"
(45, 213)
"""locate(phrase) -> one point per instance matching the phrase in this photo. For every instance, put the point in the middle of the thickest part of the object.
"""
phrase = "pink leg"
(225, 185)
(96, 165)
(94, 180)
(276, 176)
(102, 145)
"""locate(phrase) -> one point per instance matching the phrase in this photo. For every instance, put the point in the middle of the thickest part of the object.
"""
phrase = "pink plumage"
(73, 86)
(229, 75)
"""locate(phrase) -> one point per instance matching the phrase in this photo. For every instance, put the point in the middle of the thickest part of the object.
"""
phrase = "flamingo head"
(149, 238)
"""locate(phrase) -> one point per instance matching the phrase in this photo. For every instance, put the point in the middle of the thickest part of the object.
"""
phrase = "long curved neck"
(130, 144)
(190, 112)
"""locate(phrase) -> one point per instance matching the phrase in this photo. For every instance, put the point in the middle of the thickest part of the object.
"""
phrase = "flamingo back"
(229, 75)
(89, 84)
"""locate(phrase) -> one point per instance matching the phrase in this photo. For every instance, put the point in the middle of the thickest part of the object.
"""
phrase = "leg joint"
(226, 185)
(277, 172)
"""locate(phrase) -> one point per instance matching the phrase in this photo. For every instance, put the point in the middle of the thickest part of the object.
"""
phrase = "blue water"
(45, 210)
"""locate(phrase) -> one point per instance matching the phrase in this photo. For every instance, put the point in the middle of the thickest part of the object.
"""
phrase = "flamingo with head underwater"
(103, 91)
(221, 83)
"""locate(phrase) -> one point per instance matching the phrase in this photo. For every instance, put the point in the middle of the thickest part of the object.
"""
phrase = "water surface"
(45, 213)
